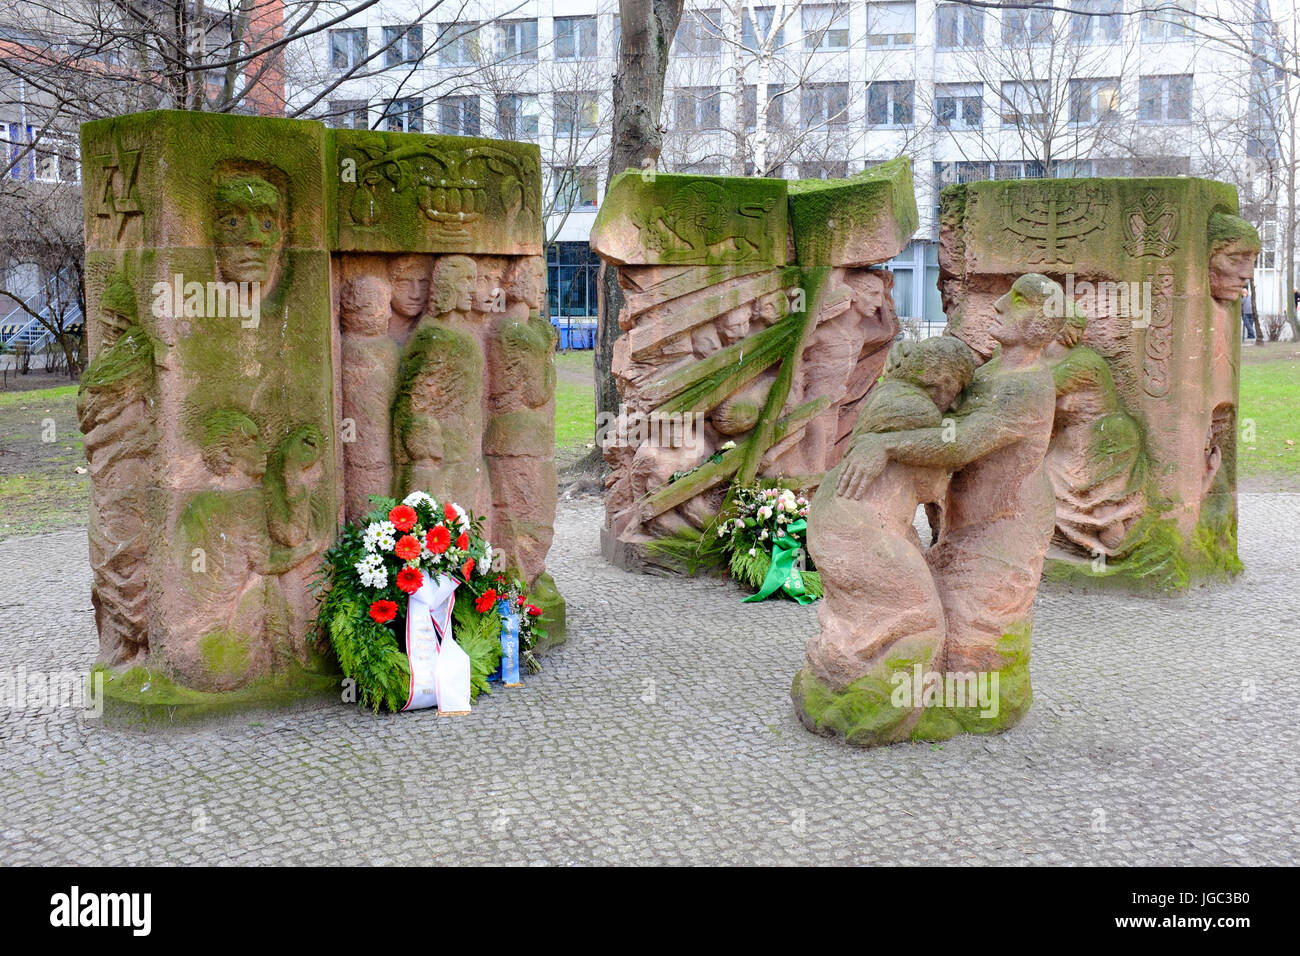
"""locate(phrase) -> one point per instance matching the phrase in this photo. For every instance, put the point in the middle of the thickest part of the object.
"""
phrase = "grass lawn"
(1270, 413)
(40, 446)
(40, 452)
(575, 406)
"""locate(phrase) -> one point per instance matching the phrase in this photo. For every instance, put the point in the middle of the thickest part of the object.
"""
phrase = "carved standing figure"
(1095, 460)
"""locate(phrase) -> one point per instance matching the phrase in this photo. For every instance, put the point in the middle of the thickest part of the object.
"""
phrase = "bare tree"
(648, 27)
(557, 102)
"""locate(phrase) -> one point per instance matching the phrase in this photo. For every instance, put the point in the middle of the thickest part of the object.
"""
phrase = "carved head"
(231, 442)
(300, 450)
(770, 308)
(249, 224)
(943, 366)
(734, 325)
(527, 281)
(489, 283)
(1234, 244)
(364, 304)
(408, 277)
(1031, 314)
(117, 306)
(454, 280)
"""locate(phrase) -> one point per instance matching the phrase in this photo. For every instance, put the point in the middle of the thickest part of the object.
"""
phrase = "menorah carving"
(1053, 219)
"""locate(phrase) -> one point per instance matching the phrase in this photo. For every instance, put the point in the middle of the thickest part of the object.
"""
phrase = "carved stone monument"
(1143, 452)
(925, 644)
(754, 326)
(285, 320)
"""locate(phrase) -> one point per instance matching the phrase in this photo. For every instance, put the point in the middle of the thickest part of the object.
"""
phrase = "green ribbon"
(783, 575)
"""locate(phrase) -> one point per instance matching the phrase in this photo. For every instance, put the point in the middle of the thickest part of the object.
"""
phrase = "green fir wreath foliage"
(371, 651)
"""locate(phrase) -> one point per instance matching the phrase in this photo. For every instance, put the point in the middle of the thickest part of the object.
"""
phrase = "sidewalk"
(663, 732)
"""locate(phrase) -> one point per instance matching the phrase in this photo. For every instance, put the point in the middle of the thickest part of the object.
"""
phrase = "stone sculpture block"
(750, 337)
(918, 643)
(1143, 456)
(283, 321)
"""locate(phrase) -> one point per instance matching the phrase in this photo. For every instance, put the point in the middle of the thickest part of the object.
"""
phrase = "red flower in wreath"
(408, 547)
(403, 517)
(409, 580)
(451, 513)
(462, 541)
(534, 610)
(485, 601)
(383, 611)
(438, 539)
(467, 569)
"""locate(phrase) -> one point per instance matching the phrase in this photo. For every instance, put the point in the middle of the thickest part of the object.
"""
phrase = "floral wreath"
(377, 563)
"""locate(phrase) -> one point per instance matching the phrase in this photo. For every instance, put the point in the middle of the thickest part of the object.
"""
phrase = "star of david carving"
(118, 198)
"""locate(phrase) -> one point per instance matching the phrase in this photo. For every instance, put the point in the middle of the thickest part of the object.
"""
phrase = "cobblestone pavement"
(663, 732)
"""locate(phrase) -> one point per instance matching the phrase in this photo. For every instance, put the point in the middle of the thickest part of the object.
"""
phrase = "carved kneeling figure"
(897, 623)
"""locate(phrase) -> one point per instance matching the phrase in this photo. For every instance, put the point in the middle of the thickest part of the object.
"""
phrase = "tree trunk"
(648, 29)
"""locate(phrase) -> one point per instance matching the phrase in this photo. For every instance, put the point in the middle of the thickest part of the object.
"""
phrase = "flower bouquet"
(762, 532)
(396, 553)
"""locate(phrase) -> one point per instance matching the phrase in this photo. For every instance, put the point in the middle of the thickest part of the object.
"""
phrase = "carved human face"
(363, 306)
(734, 325)
(943, 385)
(249, 229)
(1232, 265)
(1021, 316)
(454, 282)
(410, 283)
(488, 292)
(526, 283)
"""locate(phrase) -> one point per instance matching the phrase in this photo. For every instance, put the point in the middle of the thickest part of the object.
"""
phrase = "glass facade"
(572, 292)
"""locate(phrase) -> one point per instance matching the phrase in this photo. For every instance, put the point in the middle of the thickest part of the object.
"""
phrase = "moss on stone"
(827, 214)
(546, 596)
(148, 699)
(864, 714)
(225, 653)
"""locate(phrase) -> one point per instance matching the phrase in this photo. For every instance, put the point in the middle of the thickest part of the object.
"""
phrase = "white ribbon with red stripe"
(439, 667)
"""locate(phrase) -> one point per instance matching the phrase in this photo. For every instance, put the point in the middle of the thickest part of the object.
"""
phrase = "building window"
(576, 188)
(349, 114)
(775, 110)
(1026, 27)
(763, 16)
(517, 117)
(959, 105)
(890, 103)
(572, 282)
(576, 113)
(404, 116)
(891, 24)
(347, 48)
(517, 39)
(458, 116)
(698, 108)
(458, 44)
(825, 26)
(1024, 102)
(575, 38)
(1162, 20)
(1165, 99)
(1096, 29)
(823, 170)
(959, 28)
(827, 104)
(403, 44)
(1093, 101)
(698, 34)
